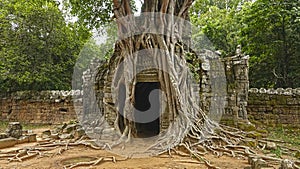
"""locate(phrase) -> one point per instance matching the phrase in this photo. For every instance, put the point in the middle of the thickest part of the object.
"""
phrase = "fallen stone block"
(8, 142)
(271, 146)
(46, 132)
(14, 129)
(32, 138)
(3, 135)
(27, 139)
(23, 139)
(257, 163)
(286, 164)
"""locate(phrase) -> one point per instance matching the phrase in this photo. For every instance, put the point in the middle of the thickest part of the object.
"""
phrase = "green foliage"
(271, 37)
(93, 13)
(277, 152)
(38, 49)
(267, 30)
(220, 22)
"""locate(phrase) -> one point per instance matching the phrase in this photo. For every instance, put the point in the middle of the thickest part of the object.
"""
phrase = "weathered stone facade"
(268, 106)
(236, 69)
(211, 67)
(46, 107)
(274, 107)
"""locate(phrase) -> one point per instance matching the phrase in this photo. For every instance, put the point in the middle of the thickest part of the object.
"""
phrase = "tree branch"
(185, 7)
(164, 6)
(126, 6)
(116, 9)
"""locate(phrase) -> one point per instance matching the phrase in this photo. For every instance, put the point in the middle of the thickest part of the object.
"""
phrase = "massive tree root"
(190, 147)
(163, 35)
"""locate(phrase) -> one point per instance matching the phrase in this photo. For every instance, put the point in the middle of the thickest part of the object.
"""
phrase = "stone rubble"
(14, 130)
(257, 163)
(15, 135)
(286, 164)
(65, 131)
(271, 146)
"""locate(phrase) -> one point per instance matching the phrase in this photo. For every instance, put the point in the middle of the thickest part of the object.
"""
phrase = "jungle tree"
(171, 36)
(38, 48)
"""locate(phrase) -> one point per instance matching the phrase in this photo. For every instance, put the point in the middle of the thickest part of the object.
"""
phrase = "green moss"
(228, 122)
(254, 135)
(297, 155)
(251, 143)
(262, 131)
(245, 126)
(281, 100)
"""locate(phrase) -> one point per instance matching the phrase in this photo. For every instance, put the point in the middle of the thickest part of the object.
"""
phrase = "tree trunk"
(162, 34)
(164, 37)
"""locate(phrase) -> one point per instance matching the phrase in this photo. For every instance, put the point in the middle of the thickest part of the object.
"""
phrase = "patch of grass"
(4, 124)
(277, 152)
(35, 126)
(289, 135)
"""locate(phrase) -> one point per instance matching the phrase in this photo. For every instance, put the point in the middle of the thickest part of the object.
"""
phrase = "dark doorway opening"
(147, 114)
(121, 101)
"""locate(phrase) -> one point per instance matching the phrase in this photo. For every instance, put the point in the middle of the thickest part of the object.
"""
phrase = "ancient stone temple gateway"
(268, 106)
(147, 80)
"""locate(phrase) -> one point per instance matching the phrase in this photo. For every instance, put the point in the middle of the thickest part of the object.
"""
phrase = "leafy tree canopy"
(38, 49)
(270, 35)
(267, 30)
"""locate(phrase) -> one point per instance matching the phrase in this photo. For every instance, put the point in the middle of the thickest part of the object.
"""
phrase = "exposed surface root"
(91, 163)
(216, 145)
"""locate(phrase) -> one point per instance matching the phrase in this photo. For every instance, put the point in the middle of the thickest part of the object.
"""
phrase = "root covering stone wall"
(274, 107)
(266, 106)
(46, 107)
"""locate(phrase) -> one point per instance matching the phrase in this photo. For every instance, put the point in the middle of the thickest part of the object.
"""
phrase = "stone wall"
(274, 107)
(236, 69)
(266, 106)
(46, 107)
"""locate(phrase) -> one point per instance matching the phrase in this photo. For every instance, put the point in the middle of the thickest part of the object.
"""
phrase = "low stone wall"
(267, 106)
(46, 107)
(274, 107)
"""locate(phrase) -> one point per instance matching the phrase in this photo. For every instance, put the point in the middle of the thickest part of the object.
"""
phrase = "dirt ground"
(84, 154)
(79, 154)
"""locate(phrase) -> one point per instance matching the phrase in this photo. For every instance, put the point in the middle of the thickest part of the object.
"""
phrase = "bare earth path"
(79, 153)
(84, 154)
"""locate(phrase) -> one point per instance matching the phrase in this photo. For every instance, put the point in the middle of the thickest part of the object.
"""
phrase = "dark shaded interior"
(121, 101)
(142, 104)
